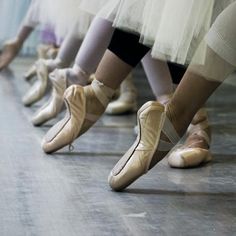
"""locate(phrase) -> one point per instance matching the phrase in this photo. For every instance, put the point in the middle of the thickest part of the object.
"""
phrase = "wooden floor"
(67, 193)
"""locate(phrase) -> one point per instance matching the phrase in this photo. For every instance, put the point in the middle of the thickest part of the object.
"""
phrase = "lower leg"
(94, 45)
(69, 48)
(90, 53)
(112, 70)
(187, 101)
(159, 77)
(13, 46)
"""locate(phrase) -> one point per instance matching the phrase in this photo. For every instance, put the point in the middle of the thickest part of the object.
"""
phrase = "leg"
(87, 59)
(86, 105)
(42, 68)
(147, 151)
(163, 132)
(13, 46)
(159, 77)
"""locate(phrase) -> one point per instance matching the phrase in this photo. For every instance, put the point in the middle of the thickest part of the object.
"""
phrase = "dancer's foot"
(53, 52)
(84, 107)
(155, 139)
(9, 52)
(38, 90)
(42, 68)
(127, 101)
(195, 151)
(60, 79)
(31, 72)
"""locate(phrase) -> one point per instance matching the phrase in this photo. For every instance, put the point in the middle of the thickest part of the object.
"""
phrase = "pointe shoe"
(141, 155)
(127, 100)
(60, 80)
(38, 90)
(51, 109)
(42, 50)
(84, 107)
(190, 156)
(52, 53)
(30, 73)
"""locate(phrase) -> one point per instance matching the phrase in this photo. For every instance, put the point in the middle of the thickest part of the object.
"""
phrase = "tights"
(132, 52)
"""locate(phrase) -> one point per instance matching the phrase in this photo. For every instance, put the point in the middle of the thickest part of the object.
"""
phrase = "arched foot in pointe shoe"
(127, 100)
(32, 72)
(60, 79)
(38, 90)
(195, 151)
(84, 107)
(148, 149)
(52, 108)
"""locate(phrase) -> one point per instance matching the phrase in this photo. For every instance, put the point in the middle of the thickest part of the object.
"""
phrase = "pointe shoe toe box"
(117, 107)
(189, 157)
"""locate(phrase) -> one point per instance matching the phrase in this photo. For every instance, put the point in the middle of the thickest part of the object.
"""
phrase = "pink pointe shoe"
(85, 105)
(191, 155)
(141, 156)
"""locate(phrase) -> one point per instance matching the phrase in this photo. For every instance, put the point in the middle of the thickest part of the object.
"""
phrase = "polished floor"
(67, 193)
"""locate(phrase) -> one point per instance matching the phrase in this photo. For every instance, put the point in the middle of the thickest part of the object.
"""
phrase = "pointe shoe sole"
(189, 157)
(137, 160)
(66, 130)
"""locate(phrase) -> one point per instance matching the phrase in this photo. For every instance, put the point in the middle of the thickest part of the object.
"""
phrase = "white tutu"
(173, 28)
(65, 16)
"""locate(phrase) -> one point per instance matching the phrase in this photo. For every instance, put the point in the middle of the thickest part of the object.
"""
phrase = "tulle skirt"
(65, 16)
(172, 28)
(220, 41)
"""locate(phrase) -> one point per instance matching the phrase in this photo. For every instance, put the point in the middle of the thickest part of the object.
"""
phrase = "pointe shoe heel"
(127, 100)
(137, 159)
(66, 130)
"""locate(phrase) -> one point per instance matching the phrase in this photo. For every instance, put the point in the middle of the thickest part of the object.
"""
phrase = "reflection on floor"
(67, 193)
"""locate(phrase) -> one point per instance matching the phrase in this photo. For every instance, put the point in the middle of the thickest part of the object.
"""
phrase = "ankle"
(78, 75)
(164, 99)
(51, 64)
(103, 93)
(178, 120)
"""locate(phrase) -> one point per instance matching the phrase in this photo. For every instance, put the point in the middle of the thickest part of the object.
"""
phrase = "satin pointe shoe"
(127, 100)
(52, 52)
(32, 72)
(54, 106)
(142, 155)
(60, 80)
(47, 51)
(85, 105)
(189, 156)
(38, 90)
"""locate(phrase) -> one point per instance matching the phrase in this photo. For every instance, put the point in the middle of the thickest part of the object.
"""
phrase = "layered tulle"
(173, 29)
(65, 16)
(220, 41)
